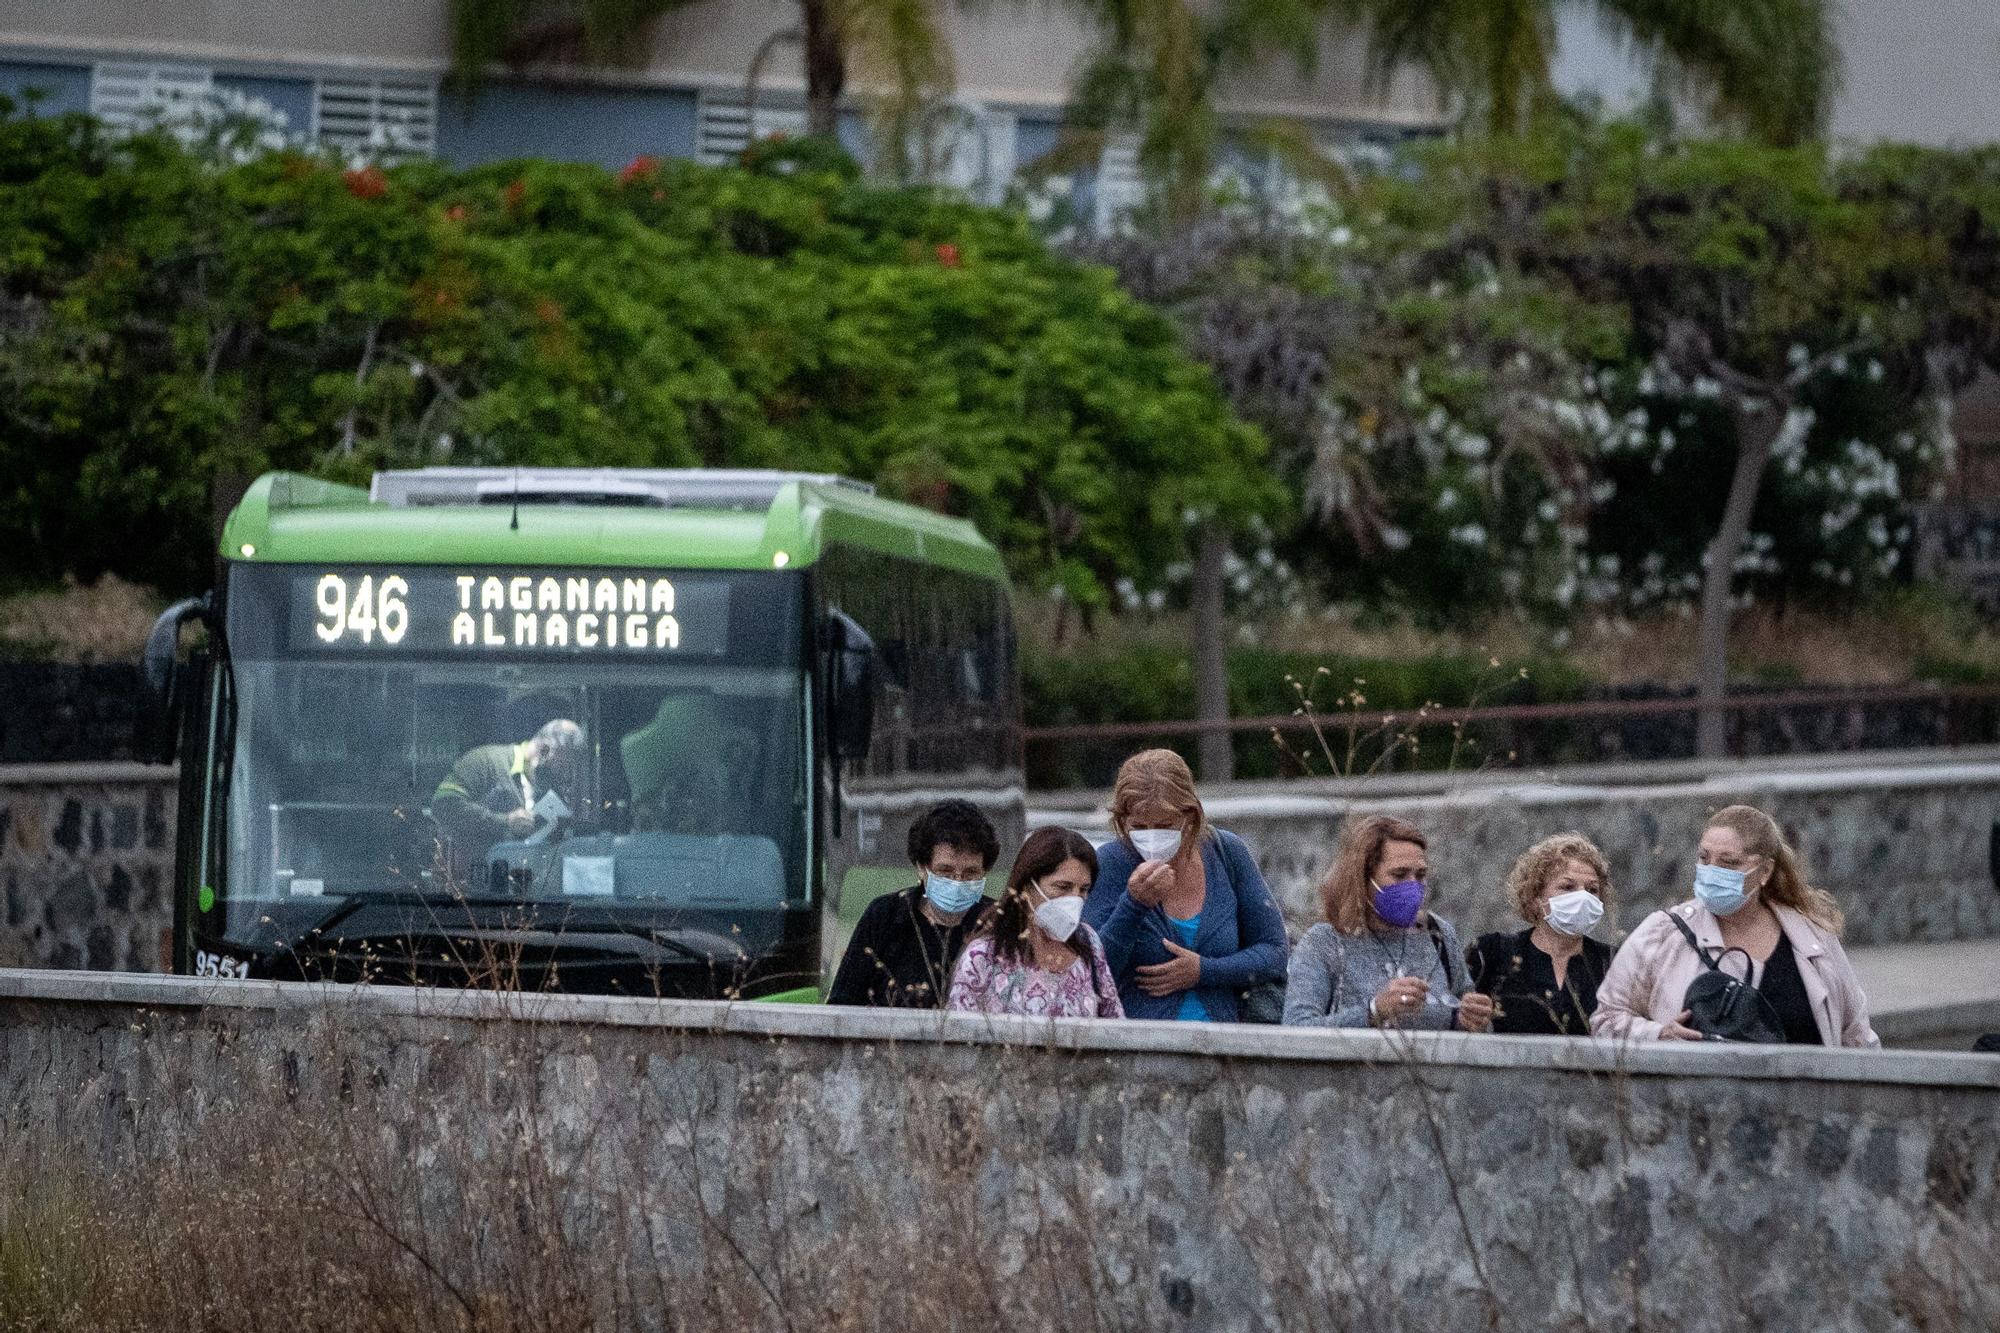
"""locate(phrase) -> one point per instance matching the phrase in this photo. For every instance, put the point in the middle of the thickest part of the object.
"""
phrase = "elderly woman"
(1544, 979)
(906, 944)
(1380, 957)
(1750, 899)
(1034, 956)
(1186, 918)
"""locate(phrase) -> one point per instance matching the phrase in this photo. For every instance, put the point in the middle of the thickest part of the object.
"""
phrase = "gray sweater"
(1334, 977)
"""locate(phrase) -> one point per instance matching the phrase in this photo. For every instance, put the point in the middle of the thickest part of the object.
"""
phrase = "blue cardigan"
(1241, 938)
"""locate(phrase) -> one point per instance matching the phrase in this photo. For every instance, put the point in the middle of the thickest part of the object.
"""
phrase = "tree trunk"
(1217, 756)
(826, 68)
(1757, 425)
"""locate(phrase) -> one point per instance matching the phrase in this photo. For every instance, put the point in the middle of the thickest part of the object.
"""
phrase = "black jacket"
(898, 957)
(1522, 981)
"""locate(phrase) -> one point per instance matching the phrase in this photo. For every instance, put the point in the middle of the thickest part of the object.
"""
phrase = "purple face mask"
(1399, 903)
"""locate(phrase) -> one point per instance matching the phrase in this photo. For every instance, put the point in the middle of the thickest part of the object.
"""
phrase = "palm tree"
(900, 45)
(1156, 72)
(1769, 66)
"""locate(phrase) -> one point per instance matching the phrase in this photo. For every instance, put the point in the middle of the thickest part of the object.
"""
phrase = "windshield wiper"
(353, 902)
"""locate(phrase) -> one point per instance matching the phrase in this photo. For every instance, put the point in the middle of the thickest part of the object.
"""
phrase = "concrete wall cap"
(84, 774)
(116, 991)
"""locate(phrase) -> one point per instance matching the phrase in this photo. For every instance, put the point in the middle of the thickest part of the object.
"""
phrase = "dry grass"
(104, 622)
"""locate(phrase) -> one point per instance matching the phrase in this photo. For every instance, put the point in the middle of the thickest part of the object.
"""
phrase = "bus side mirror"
(852, 664)
(159, 727)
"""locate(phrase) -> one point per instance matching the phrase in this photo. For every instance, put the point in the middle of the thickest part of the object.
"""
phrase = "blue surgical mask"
(952, 896)
(1720, 890)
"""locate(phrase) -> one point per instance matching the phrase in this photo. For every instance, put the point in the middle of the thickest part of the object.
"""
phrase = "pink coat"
(1650, 976)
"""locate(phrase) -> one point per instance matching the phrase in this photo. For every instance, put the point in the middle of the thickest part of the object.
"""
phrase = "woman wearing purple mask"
(1380, 957)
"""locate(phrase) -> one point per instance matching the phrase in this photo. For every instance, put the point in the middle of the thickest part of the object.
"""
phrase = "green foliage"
(168, 319)
(1513, 373)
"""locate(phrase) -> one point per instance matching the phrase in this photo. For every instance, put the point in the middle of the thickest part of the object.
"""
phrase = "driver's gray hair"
(561, 734)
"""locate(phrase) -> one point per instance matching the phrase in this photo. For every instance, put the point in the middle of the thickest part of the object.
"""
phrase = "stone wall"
(86, 865)
(708, 1166)
(1907, 847)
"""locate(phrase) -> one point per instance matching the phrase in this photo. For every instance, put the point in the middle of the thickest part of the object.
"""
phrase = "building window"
(722, 127)
(134, 97)
(377, 117)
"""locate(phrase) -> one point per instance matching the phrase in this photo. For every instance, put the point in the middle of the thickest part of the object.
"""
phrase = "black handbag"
(1726, 1008)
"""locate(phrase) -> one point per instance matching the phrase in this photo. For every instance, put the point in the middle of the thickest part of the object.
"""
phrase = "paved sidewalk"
(1931, 994)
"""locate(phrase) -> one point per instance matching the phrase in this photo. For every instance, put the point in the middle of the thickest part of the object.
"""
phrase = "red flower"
(456, 213)
(516, 191)
(947, 255)
(643, 165)
(366, 183)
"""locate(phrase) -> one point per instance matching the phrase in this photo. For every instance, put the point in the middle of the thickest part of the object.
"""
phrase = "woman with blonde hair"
(1750, 899)
(1544, 979)
(1187, 921)
(1379, 957)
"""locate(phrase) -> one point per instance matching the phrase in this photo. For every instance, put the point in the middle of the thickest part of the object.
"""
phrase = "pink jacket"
(1650, 976)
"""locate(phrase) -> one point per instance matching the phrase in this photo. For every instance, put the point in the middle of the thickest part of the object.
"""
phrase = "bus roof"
(590, 517)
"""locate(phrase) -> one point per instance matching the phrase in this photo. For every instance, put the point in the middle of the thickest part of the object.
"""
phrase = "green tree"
(1768, 66)
(164, 318)
(1753, 276)
(1156, 71)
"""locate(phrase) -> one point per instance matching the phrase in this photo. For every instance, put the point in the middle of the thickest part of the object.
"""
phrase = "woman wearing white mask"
(1544, 979)
(1188, 923)
(1034, 956)
(1753, 915)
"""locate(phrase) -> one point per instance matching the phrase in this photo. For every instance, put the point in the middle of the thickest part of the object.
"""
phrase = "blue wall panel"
(293, 97)
(67, 86)
(609, 126)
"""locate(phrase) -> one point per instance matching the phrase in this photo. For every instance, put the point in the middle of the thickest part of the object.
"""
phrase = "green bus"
(650, 732)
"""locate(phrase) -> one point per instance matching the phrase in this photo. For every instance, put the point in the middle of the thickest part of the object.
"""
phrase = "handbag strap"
(1693, 943)
(1444, 954)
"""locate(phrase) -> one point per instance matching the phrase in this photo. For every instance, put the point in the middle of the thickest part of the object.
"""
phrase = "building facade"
(346, 74)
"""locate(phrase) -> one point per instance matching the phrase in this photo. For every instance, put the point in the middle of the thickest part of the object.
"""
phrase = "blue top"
(1192, 1010)
(1241, 937)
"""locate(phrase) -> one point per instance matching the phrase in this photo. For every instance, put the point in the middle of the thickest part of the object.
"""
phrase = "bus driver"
(490, 793)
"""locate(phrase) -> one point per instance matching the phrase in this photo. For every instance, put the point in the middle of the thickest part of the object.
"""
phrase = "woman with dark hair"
(905, 944)
(1379, 957)
(1034, 956)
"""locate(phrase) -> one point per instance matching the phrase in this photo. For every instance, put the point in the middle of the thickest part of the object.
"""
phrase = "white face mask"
(1059, 917)
(1575, 912)
(1156, 844)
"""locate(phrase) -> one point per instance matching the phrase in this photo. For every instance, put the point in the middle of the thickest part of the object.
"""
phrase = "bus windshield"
(613, 741)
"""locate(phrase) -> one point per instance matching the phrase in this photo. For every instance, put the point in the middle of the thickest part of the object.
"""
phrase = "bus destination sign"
(449, 612)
